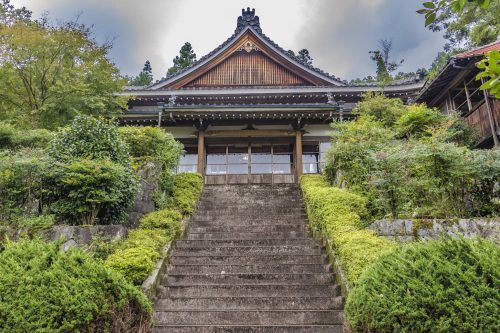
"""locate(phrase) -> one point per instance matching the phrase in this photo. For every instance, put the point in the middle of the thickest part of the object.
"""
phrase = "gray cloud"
(338, 33)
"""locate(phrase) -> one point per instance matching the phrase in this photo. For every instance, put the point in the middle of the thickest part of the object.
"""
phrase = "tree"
(466, 24)
(305, 57)
(52, 73)
(185, 58)
(384, 64)
(145, 77)
(9, 14)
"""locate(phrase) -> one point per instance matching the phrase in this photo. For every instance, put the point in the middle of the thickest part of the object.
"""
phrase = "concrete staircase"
(248, 265)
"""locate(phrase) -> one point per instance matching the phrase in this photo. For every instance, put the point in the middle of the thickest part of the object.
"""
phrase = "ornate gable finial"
(248, 18)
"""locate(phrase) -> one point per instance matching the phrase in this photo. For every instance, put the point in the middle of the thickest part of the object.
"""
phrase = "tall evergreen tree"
(185, 58)
(145, 77)
(385, 66)
(305, 57)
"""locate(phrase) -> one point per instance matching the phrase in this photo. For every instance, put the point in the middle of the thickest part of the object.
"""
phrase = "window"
(189, 161)
(314, 157)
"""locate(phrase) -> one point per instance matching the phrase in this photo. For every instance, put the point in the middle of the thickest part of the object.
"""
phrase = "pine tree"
(185, 58)
(305, 57)
(145, 77)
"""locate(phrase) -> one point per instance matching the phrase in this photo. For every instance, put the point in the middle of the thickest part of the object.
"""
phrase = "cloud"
(338, 33)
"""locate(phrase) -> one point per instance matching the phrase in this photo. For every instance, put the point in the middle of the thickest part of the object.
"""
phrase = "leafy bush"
(383, 109)
(12, 137)
(154, 144)
(89, 138)
(451, 285)
(135, 258)
(22, 183)
(424, 174)
(165, 219)
(186, 191)
(336, 215)
(86, 191)
(46, 290)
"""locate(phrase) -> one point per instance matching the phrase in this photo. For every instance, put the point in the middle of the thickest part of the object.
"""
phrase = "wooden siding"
(479, 119)
(248, 69)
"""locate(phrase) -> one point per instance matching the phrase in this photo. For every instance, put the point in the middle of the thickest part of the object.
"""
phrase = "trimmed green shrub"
(450, 285)
(92, 191)
(36, 138)
(165, 219)
(135, 258)
(336, 215)
(186, 191)
(45, 290)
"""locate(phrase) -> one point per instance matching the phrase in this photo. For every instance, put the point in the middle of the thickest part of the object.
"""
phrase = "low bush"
(186, 191)
(450, 285)
(165, 219)
(135, 258)
(45, 290)
(336, 215)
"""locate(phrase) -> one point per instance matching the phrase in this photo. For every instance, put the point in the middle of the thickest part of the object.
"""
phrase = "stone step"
(250, 250)
(247, 260)
(243, 222)
(269, 290)
(238, 269)
(244, 242)
(246, 235)
(248, 228)
(250, 317)
(250, 303)
(247, 279)
(248, 329)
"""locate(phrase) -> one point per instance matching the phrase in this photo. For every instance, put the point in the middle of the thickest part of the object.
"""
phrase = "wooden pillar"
(490, 115)
(201, 151)
(298, 154)
(467, 95)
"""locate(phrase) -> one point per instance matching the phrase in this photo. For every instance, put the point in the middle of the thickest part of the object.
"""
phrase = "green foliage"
(52, 73)
(336, 215)
(145, 77)
(14, 138)
(417, 120)
(46, 290)
(428, 172)
(22, 183)
(465, 23)
(385, 66)
(186, 191)
(383, 109)
(135, 258)
(91, 138)
(165, 219)
(185, 58)
(491, 72)
(154, 144)
(91, 191)
(450, 285)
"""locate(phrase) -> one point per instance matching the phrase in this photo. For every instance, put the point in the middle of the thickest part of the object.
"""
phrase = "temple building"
(249, 112)
(456, 89)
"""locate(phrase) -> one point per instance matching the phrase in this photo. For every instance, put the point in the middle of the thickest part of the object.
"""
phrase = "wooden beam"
(249, 133)
(490, 115)
(298, 154)
(201, 151)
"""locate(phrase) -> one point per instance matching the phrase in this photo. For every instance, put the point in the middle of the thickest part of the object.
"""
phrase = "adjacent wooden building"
(249, 112)
(455, 88)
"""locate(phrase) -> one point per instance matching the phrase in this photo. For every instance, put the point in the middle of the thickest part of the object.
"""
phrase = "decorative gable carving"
(248, 67)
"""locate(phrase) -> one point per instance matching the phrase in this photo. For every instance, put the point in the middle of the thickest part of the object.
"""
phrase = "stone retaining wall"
(413, 230)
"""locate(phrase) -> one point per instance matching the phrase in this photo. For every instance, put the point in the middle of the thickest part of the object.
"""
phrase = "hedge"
(336, 215)
(46, 290)
(135, 258)
(449, 285)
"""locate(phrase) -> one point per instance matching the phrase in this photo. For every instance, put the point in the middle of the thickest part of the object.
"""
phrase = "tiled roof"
(480, 50)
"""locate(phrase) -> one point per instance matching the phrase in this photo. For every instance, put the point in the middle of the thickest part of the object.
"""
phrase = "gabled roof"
(480, 50)
(249, 26)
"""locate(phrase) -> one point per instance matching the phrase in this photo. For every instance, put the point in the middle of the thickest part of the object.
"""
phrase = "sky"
(338, 33)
